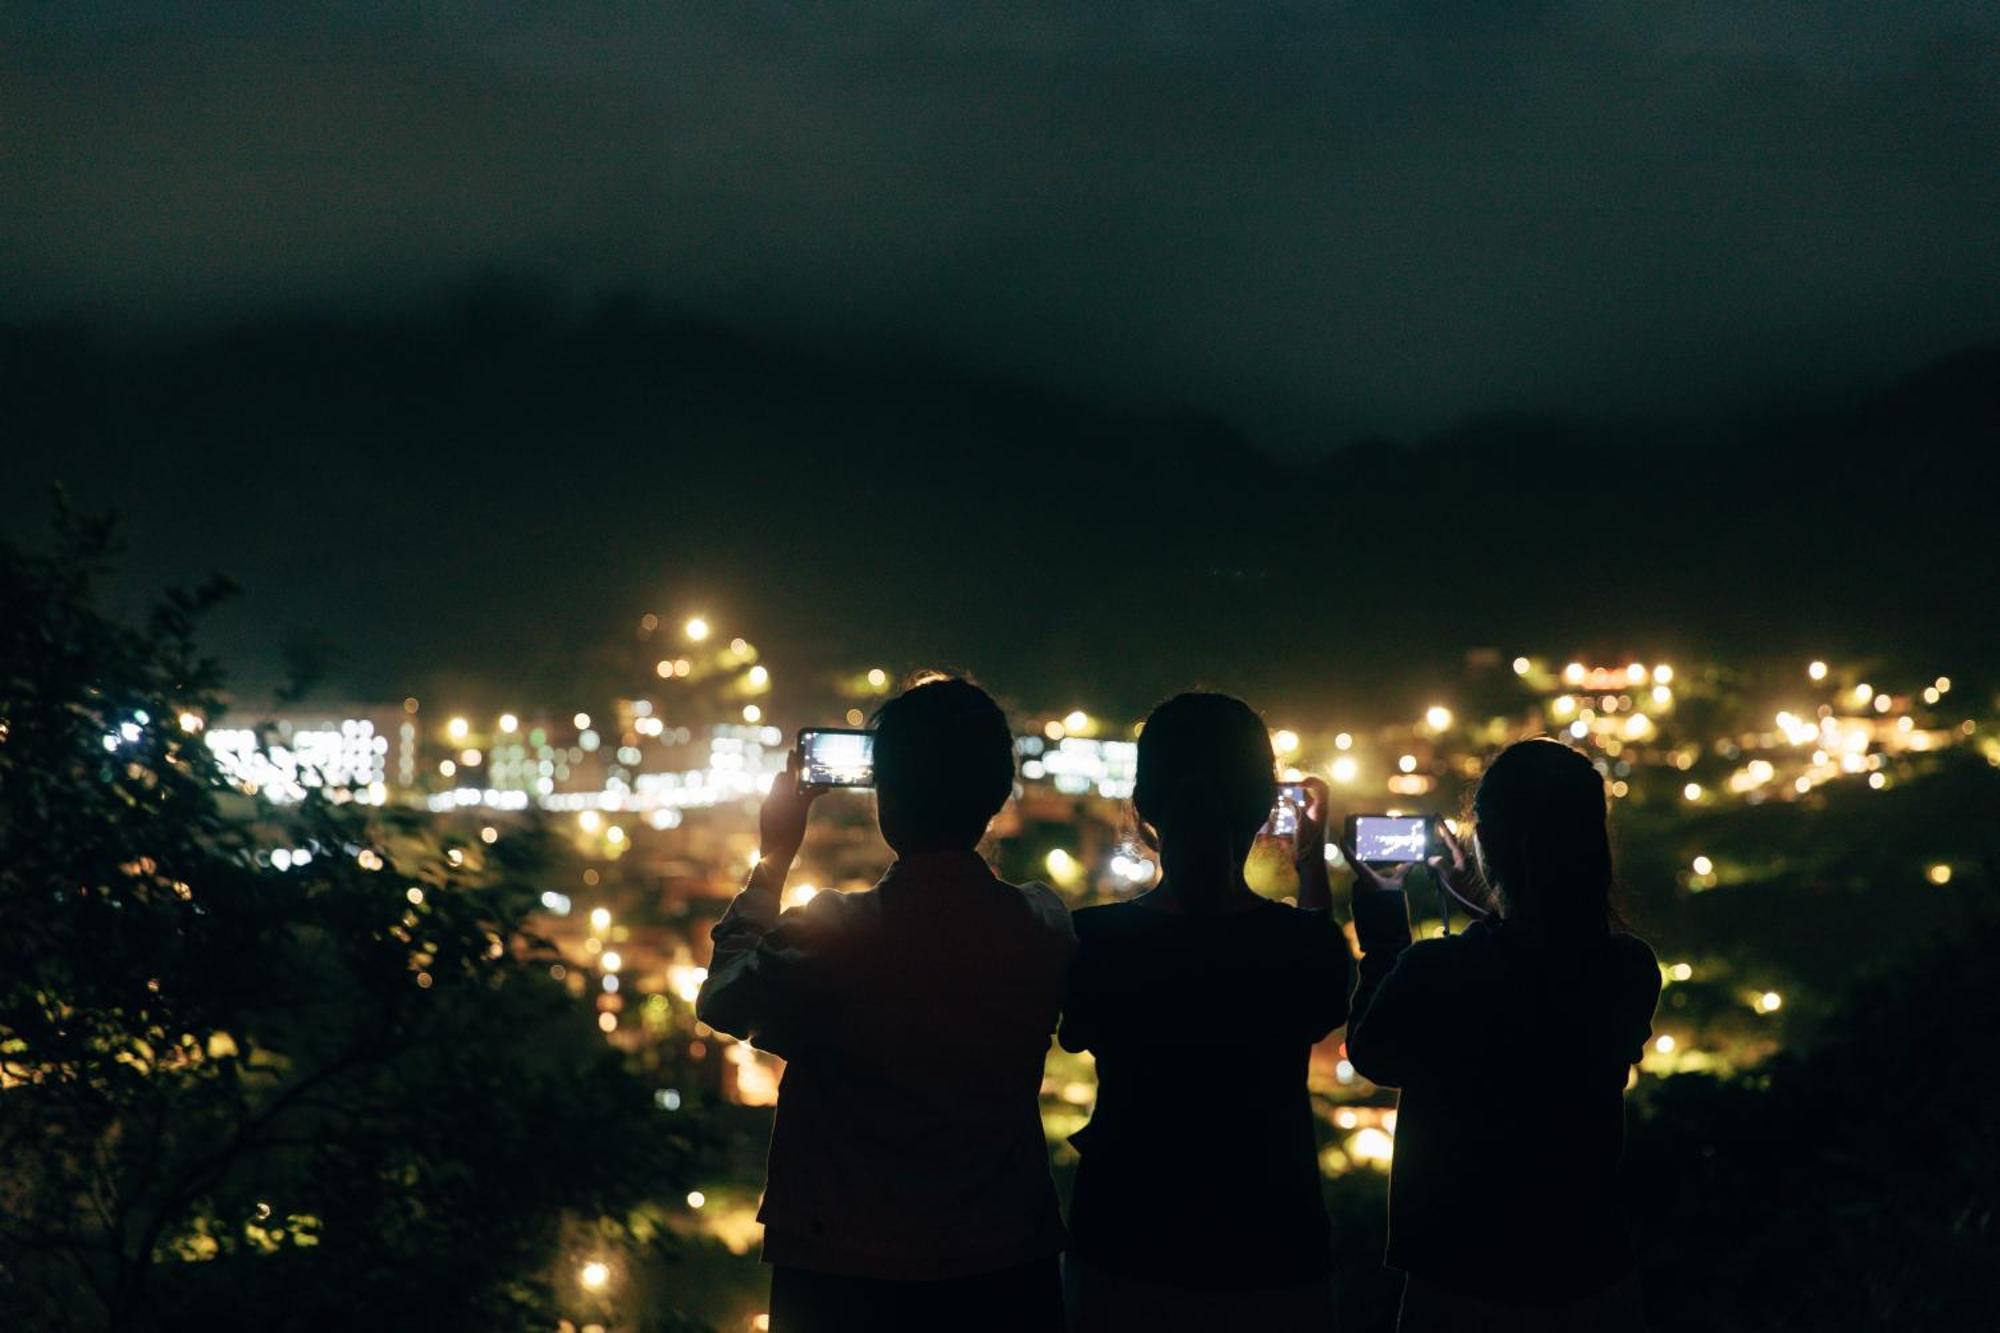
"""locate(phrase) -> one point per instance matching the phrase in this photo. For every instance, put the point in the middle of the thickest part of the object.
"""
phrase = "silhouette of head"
(1542, 838)
(1205, 787)
(944, 765)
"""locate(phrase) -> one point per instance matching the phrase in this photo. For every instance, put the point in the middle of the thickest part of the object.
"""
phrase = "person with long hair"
(1197, 1203)
(1512, 1043)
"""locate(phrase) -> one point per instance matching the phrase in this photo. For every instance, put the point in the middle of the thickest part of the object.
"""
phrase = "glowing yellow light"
(1521, 665)
(1638, 727)
(696, 1199)
(1564, 705)
(1343, 741)
(607, 1021)
(509, 723)
(800, 894)
(447, 767)
(855, 717)
(595, 1275)
(696, 629)
(1816, 670)
(600, 919)
(1438, 716)
(1664, 1044)
(1770, 1002)
(1692, 791)
(1703, 866)
(581, 721)
(1931, 694)
(1573, 673)
(1942, 684)
(1663, 674)
(1878, 781)
(1939, 873)
(1579, 729)
(1662, 695)
(1053, 730)
(662, 668)
(1076, 720)
(1636, 673)
(413, 895)
(1681, 972)
(457, 728)
(1863, 692)
(614, 834)
(1408, 763)
(469, 758)
(878, 679)
(759, 677)
(1344, 769)
(1063, 868)
(1372, 1145)
(190, 722)
(752, 713)
(1285, 742)
(589, 821)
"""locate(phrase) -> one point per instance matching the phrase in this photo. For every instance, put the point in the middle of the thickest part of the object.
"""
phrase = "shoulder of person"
(1047, 905)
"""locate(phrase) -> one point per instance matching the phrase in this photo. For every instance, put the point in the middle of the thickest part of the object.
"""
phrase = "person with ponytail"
(1197, 1203)
(1512, 1044)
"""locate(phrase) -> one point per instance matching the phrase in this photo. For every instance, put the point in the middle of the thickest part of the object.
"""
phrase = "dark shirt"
(1512, 1053)
(914, 1019)
(1199, 1165)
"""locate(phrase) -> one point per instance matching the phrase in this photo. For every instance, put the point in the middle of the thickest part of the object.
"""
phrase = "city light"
(1344, 768)
(878, 679)
(1939, 873)
(752, 713)
(457, 728)
(1703, 866)
(1663, 674)
(1681, 972)
(696, 629)
(1863, 692)
(509, 723)
(600, 919)
(1438, 717)
(1076, 721)
(594, 1276)
(696, 1199)
(758, 677)
(1942, 684)
(1770, 1002)
(1408, 763)
(1521, 666)
(610, 961)
(1372, 1145)
(1816, 670)
(1343, 741)
(1664, 1044)
(1692, 791)
(1285, 742)
(581, 721)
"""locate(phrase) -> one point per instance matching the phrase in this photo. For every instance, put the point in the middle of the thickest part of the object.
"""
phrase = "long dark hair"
(1543, 840)
(1205, 785)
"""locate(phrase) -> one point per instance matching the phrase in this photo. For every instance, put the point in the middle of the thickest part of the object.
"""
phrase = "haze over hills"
(485, 496)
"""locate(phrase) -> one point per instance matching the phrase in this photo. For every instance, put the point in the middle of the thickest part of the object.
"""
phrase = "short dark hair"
(1540, 820)
(944, 755)
(1206, 756)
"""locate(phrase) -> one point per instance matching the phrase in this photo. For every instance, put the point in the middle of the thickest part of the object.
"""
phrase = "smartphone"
(1388, 839)
(836, 757)
(1284, 820)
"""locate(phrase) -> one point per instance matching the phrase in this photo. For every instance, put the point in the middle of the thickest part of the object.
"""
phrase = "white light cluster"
(350, 762)
(1077, 767)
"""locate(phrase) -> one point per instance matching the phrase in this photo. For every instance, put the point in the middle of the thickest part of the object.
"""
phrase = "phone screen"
(1392, 838)
(1284, 820)
(836, 758)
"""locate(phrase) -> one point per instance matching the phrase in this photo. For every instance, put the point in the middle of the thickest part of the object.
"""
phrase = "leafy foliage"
(345, 1093)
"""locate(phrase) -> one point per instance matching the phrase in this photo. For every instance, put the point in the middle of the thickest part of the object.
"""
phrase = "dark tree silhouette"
(346, 1093)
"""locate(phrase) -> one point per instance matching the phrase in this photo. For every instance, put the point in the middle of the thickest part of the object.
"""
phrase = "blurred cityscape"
(1745, 794)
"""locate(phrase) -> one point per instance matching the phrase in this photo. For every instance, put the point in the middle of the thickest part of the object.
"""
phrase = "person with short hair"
(908, 1181)
(1198, 1206)
(1512, 1044)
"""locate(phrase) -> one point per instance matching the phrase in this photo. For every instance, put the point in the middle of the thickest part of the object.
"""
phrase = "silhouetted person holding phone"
(1512, 1044)
(1197, 1202)
(908, 1182)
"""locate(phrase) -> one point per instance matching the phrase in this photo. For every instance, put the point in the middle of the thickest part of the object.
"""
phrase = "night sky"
(1100, 349)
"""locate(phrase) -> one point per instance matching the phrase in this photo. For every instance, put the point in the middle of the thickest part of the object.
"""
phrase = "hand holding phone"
(1285, 811)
